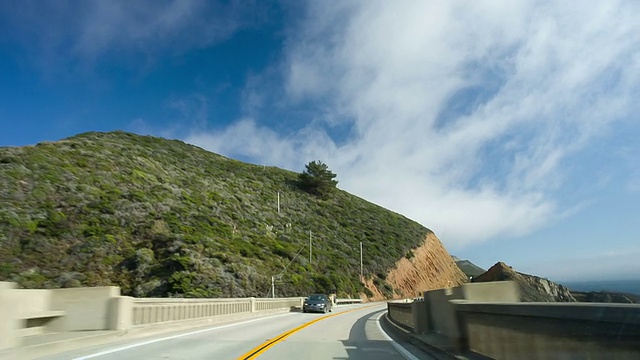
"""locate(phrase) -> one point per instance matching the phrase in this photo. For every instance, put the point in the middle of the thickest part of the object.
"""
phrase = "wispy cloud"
(530, 85)
(621, 264)
(122, 30)
(245, 139)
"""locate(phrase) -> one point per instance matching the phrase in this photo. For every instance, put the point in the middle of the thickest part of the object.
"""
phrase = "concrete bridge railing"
(343, 301)
(146, 311)
(488, 319)
(32, 312)
(402, 313)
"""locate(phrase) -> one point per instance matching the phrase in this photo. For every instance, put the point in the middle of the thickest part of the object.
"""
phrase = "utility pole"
(278, 202)
(310, 251)
(361, 274)
(273, 287)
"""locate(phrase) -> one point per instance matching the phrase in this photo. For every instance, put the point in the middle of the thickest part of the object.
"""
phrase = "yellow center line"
(258, 350)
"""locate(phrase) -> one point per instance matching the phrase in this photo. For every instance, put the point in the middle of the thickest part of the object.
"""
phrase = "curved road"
(350, 332)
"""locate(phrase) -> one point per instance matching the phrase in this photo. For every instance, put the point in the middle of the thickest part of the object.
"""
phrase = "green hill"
(160, 217)
(468, 268)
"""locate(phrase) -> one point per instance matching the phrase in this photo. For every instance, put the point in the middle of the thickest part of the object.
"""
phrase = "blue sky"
(510, 128)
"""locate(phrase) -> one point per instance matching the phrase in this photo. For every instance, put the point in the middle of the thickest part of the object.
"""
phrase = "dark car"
(317, 303)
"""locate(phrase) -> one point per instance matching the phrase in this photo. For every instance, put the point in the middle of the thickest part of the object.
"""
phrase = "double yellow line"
(257, 351)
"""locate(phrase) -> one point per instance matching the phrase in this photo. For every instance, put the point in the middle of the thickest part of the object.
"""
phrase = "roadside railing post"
(121, 313)
(252, 301)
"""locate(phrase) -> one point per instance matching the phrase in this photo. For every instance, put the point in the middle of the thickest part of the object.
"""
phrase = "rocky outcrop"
(606, 297)
(532, 288)
(427, 267)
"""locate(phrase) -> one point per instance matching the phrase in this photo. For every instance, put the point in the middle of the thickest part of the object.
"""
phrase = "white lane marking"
(404, 352)
(111, 351)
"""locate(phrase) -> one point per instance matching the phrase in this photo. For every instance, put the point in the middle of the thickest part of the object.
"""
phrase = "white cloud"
(152, 25)
(192, 108)
(532, 83)
(246, 139)
(82, 32)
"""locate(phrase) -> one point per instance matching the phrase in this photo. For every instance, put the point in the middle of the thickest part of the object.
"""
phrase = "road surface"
(350, 332)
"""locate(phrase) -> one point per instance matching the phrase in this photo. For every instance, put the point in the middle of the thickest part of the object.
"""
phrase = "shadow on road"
(366, 343)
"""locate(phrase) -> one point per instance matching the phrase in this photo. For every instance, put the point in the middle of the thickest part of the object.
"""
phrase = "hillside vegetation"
(160, 217)
(470, 269)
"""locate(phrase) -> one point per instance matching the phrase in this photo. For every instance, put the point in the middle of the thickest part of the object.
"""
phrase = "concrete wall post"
(8, 320)
(252, 301)
(121, 313)
(441, 315)
(502, 291)
(420, 321)
(86, 308)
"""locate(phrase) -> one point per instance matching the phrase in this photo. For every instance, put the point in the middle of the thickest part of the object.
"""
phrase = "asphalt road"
(350, 332)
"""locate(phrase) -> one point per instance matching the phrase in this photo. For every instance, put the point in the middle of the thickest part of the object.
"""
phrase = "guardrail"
(348, 301)
(266, 304)
(550, 330)
(488, 319)
(148, 311)
(153, 311)
(27, 312)
(31, 312)
(401, 313)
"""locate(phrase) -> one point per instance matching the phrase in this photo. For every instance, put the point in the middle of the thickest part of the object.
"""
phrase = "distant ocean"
(625, 286)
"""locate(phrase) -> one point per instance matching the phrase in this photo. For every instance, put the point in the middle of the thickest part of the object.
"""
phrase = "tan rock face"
(377, 295)
(532, 288)
(431, 267)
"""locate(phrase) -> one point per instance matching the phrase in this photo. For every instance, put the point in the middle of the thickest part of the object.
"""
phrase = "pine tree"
(317, 179)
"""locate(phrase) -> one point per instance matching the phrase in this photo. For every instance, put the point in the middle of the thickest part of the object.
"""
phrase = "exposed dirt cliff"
(532, 288)
(427, 267)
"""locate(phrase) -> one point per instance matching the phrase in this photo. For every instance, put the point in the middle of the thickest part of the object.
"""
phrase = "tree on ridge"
(317, 179)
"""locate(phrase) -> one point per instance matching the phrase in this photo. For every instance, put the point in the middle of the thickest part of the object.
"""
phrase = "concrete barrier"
(550, 330)
(153, 311)
(487, 319)
(25, 313)
(348, 301)
(31, 312)
(30, 301)
(401, 313)
(267, 304)
(441, 318)
(85, 308)
(8, 320)
(147, 311)
(408, 314)
(494, 291)
(121, 313)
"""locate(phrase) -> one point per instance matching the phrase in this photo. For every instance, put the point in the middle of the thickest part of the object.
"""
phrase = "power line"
(279, 276)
